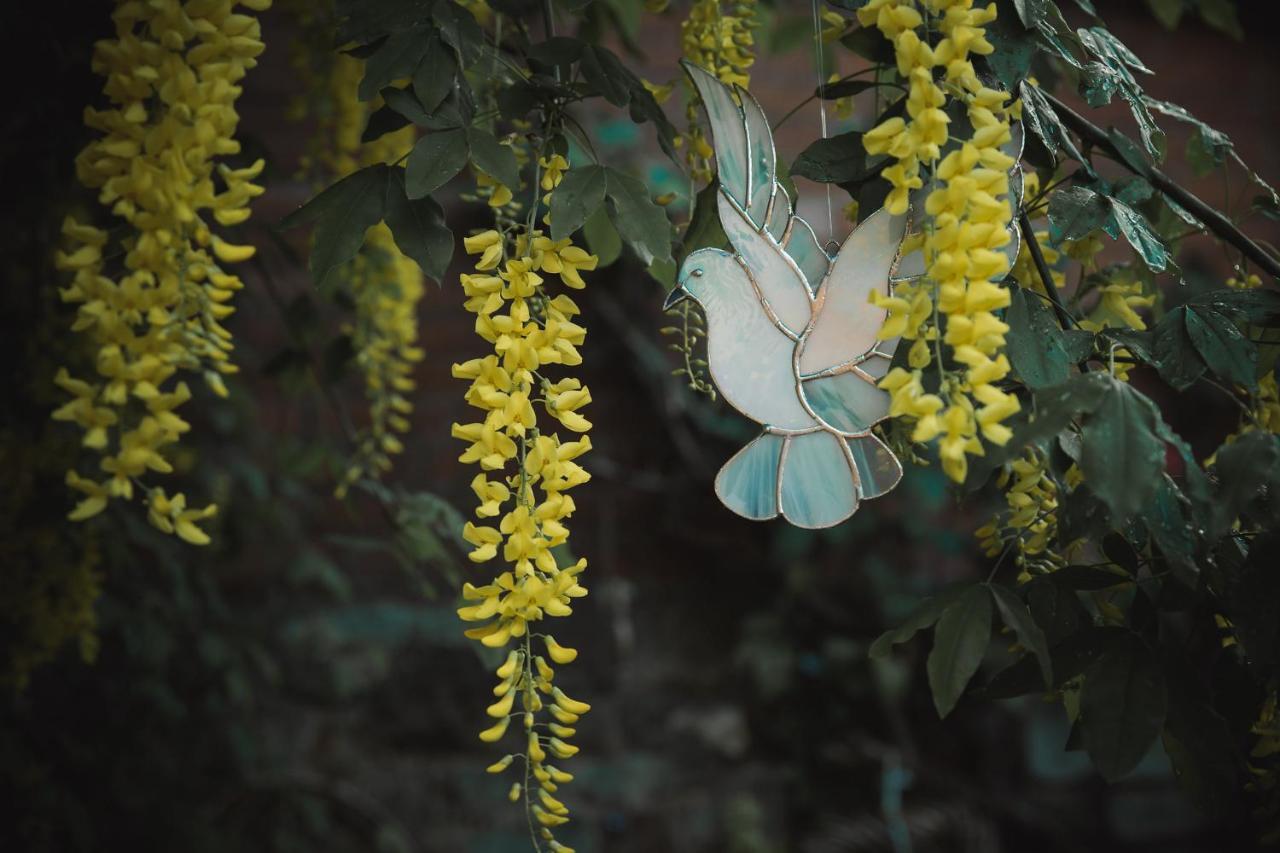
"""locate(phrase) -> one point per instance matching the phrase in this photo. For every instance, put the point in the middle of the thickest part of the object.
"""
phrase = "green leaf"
(1014, 50)
(1076, 212)
(1040, 116)
(1122, 708)
(925, 614)
(556, 52)
(1088, 577)
(1245, 468)
(382, 121)
(397, 57)
(1223, 347)
(606, 74)
(404, 102)
(1034, 341)
(602, 238)
(1200, 745)
(1058, 405)
(493, 158)
(1123, 457)
(959, 643)
(434, 160)
(579, 195)
(1167, 12)
(342, 213)
(1221, 15)
(418, 228)
(1258, 307)
(434, 77)
(837, 160)
(1140, 235)
(1175, 355)
(642, 224)
(705, 230)
(1018, 619)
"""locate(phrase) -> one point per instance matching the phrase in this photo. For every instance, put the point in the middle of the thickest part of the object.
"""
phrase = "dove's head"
(703, 276)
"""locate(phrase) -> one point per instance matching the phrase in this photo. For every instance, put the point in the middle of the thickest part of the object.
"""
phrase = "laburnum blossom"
(526, 472)
(964, 221)
(173, 73)
(1029, 523)
(718, 35)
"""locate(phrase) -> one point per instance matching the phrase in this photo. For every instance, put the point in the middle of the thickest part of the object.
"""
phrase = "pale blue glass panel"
(760, 157)
(846, 323)
(780, 215)
(748, 483)
(877, 363)
(846, 401)
(728, 132)
(804, 249)
(779, 279)
(817, 484)
(750, 357)
(878, 469)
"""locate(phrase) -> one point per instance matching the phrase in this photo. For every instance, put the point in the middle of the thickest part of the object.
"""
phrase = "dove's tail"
(815, 480)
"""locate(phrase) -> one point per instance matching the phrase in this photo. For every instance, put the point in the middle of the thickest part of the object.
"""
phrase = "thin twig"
(1046, 276)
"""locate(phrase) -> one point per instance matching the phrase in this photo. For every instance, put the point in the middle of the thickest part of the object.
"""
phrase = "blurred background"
(303, 682)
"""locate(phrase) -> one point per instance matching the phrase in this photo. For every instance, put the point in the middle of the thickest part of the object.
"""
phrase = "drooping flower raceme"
(964, 225)
(172, 77)
(525, 473)
(386, 285)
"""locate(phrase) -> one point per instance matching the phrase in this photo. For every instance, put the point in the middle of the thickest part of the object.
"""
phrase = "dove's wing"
(778, 247)
(845, 326)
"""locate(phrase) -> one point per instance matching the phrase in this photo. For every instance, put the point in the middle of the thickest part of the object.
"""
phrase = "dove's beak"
(677, 295)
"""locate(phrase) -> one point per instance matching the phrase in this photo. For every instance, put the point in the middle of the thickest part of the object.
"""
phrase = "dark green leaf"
(606, 74)
(1223, 347)
(1176, 356)
(1141, 236)
(1018, 619)
(382, 121)
(1014, 50)
(602, 238)
(558, 51)
(398, 56)
(1200, 746)
(1057, 406)
(434, 160)
(1075, 212)
(403, 102)
(493, 158)
(925, 614)
(1088, 577)
(578, 196)
(1123, 457)
(1245, 467)
(433, 79)
(1259, 307)
(1122, 708)
(704, 229)
(343, 213)
(836, 160)
(1034, 341)
(959, 643)
(1221, 15)
(642, 224)
(418, 228)
(1040, 116)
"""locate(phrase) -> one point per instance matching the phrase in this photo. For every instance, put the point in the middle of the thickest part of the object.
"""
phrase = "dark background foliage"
(303, 683)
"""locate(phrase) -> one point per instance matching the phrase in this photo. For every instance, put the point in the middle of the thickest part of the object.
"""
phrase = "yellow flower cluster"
(172, 74)
(1029, 523)
(524, 480)
(721, 40)
(386, 284)
(966, 219)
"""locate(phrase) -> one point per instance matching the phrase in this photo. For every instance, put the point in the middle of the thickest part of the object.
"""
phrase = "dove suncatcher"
(791, 335)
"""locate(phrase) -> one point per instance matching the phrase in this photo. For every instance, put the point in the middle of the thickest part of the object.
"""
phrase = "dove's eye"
(696, 273)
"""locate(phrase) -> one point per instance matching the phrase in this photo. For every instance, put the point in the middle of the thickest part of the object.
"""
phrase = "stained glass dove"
(791, 334)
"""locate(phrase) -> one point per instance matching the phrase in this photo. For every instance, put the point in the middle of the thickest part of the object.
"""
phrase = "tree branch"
(1216, 221)
(1037, 256)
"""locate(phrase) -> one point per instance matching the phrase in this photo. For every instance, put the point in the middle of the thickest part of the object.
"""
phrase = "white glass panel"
(878, 469)
(779, 280)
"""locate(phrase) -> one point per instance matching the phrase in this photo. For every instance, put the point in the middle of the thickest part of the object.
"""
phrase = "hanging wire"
(820, 61)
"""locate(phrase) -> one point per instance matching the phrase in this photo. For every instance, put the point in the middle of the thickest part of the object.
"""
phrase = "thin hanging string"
(822, 110)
